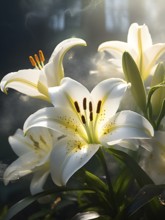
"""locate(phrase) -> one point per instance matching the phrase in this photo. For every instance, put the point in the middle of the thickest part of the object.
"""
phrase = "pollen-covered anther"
(38, 60)
(41, 56)
(77, 106)
(85, 103)
(98, 107)
(91, 116)
(83, 119)
(90, 107)
(32, 61)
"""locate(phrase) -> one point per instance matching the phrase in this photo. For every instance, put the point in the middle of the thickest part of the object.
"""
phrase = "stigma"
(38, 60)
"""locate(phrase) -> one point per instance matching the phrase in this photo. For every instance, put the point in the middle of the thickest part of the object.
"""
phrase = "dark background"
(29, 25)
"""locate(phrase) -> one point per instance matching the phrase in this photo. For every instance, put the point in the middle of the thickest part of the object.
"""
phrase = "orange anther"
(36, 58)
(32, 61)
(41, 56)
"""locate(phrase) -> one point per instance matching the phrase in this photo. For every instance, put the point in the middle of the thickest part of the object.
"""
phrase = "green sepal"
(133, 76)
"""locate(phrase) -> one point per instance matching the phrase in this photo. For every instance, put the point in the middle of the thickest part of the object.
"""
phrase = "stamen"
(83, 119)
(41, 56)
(77, 106)
(90, 106)
(37, 58)
(98, 107)
(84, 103)
(91, 116)
(37, 61)
(32, 61)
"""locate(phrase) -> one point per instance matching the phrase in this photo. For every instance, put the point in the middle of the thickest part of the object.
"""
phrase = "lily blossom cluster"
(60, 140)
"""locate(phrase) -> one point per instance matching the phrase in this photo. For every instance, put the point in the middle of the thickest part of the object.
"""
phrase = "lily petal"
(68, 156)
(18, 143)
(152, 54)
(20, 167)
(110, 92)
(126, 125)
(24, 81)
(116, 48)
(56, 118)
(22, 144)
(139, 37)
(38, 181)
(69, 91)
(54, 69)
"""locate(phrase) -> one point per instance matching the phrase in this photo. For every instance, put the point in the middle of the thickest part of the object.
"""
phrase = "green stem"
(108, 179)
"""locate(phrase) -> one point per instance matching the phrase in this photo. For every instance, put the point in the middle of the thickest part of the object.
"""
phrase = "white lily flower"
(35, 82)
(89, 121)
(153, 162)
(34, 156)
(139, 45)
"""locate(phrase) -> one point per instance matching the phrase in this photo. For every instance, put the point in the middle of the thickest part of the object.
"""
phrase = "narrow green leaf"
(22, 204)
(95, 182)
(151, 108)
(133, 76)
(152, 90)
(137, 172)
(144, 196)
(122, 183)
(162, 114)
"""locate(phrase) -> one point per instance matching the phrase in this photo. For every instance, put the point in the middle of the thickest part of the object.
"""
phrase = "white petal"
(19, 143)
(126, 125)
(58, 119)
(44, 136)
(54, 69)
(152, 55)
(24, 81)
(69, 91)
(116, 48)
(110, 93)
(68, 156)
(20, 167)
(38, 181)
(139, 37)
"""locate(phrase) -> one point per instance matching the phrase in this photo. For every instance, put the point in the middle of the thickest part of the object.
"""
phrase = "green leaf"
(95, 182)
(152, 90)
(101, 189)
(162, 114)
(122, 184)
(133, 76)
(151, 108)
(19, 206)
(137, 172)
(144, 196)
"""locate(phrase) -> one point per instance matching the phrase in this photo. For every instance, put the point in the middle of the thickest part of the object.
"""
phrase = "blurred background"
(29, 25)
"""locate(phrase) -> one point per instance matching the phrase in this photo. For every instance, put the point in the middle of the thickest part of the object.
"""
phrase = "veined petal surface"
(24, 81)
(68, 156)
(126, 125)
